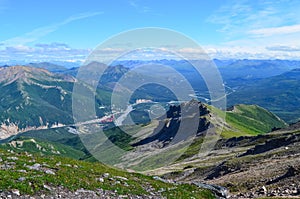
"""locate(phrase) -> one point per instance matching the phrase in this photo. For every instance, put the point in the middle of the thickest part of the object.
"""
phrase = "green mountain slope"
(25, 173)
(68, 144)
(245, 133)
(37, 146)
(28, 95)
(251, 120)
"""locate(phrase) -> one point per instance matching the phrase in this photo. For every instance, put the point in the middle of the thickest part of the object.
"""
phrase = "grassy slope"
(245, 120)
(73, 174)
(251, 120)
(37, 146)
(58, 135)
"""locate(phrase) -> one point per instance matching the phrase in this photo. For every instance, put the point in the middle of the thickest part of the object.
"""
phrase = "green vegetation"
(119, 138)
(73, 174)
(36, 146)
(192, 150)
(251, 120)
(243, 120)
(56, 135)
(247, 120)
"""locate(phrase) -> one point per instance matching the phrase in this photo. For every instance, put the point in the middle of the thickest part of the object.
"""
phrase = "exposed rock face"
(8, 130)
(189, 116)
(273, 144)
(220, 192)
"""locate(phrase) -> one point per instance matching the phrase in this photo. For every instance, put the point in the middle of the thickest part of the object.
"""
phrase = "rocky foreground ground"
(60, 192)
(248, 167)
(26, 175)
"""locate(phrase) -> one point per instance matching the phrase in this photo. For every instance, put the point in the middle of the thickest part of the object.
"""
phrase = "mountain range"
(252, 146)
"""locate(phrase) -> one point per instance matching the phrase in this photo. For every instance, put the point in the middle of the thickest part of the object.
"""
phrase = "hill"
(267, 83)
(158, 135)
(251, 120)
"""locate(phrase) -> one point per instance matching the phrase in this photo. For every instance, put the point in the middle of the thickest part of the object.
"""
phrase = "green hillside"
(37, 146)
(68, 144)
(251, 120)
(26, 173)
(52, 148)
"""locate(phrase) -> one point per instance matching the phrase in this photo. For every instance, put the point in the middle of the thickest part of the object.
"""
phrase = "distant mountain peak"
(25, 73)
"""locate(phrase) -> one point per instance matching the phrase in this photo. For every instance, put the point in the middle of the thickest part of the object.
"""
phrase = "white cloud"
(249, 27)
(265, 32)
(52, 45)
(59, 52)
(44, 52)
(238, 18)
(242, 52)
(283, 48)
(19, 49)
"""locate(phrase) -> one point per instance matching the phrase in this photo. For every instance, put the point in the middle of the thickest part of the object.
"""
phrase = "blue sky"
(69, 30)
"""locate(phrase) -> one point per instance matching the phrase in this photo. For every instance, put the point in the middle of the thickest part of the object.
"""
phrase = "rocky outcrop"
(188, 115)
(272, 144)
(219, 191)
